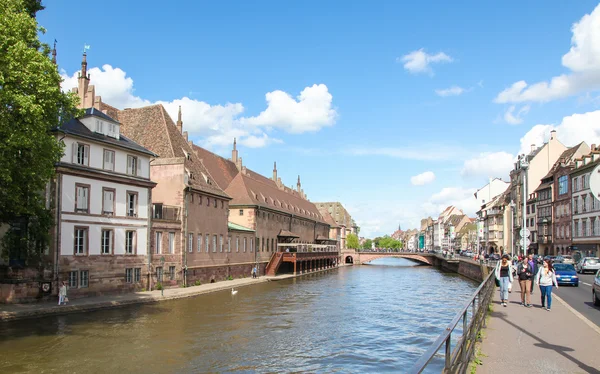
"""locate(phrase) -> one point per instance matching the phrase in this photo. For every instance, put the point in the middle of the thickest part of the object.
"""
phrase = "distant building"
(342, 218)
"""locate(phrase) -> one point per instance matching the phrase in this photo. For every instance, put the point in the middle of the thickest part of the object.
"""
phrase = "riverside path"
(538, 341)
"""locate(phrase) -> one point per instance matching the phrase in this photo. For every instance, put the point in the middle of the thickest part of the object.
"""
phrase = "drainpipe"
(58, 226)
(149, 238)
(185, 234)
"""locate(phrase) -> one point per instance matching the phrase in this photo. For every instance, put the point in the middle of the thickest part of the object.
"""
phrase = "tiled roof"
(153, 127)
(111, 111)
(287, 234)
(76, 128)
(566, 156)
(251, 188)
(328, 218)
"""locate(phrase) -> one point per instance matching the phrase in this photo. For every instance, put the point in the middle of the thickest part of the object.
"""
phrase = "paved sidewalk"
(534, 340)
(31, 310)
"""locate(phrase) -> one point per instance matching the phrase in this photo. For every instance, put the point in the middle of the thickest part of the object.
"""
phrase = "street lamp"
(513, 206)
(524, 165)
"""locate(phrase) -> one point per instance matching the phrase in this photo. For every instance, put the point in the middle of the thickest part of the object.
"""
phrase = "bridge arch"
(349, 260)
(424, 260)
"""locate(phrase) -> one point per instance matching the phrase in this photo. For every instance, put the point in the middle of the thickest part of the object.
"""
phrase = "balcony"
(545, 239)
(165, 212)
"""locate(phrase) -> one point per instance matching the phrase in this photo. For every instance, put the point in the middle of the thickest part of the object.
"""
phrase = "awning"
(287, 234)
(325, 239)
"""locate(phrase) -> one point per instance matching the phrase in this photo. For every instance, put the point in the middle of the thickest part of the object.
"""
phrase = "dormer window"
(99, 126)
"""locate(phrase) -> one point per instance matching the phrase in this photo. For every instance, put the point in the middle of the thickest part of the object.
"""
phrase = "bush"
(230, 278)
(197, 283)
(159, 286)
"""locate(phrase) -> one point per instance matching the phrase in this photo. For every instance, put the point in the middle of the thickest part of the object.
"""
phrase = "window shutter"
(84, 193)
(86, 154)
(139, 167)
(74, 153)
(79, 197)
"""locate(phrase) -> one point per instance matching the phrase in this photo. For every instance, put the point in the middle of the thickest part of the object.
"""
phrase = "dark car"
(566, 274)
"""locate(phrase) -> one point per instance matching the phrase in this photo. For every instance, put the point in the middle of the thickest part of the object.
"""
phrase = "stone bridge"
(353, 257)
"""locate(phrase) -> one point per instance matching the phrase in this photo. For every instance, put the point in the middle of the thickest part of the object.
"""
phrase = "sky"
(396, 109)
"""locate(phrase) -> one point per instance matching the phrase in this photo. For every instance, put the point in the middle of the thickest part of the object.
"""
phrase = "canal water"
(363, 319)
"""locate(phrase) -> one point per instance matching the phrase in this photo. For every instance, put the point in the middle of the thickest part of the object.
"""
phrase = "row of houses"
(451, 231)
(138, 206)
(548, 207)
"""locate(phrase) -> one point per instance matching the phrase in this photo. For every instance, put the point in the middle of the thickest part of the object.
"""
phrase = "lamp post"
(512, 205)
(162, 274)
(524, 165)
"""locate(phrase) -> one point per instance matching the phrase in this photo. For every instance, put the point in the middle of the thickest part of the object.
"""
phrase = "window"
(107, 242)
(215, 200)
(171, 242)
(220, 243)
(245, 240)
(267, 244)
(214, 243)
(80, 244)
(207, 243)
(81, 153)
(237, 244)
(73, 276)
(207, 201)
(172, 273)
(133, 166)
(563, 185)
(108, 201)
(109, 160)
(241, 212)
(132, 202)
(159, 274)
(82, 198)
(199, 199)
(199, 244)
(129, 275)
(190, 243)
(130, 242)
(273, 245)
(99, 126)
(158, 242)
(84, 278)
(137, 275)
(229, 244)
(533, 209)
(251, 246)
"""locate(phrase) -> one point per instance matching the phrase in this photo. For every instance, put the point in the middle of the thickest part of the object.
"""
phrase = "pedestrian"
(533, 265)
(504, 274)
(62, 294)
(546, 278)
(525, 274)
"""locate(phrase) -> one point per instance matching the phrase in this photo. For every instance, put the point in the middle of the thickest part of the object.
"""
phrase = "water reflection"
(377, 318)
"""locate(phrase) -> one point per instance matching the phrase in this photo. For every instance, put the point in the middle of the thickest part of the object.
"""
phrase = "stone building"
(280, 217)
(342, 218)
(102, 190)
(585, 206)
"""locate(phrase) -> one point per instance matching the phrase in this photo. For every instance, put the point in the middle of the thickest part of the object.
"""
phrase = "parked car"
(596, 289)
(558, 259)
(590, 264)
(566, 274)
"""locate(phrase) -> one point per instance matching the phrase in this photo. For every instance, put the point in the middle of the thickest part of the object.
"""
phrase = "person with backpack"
(525, 274)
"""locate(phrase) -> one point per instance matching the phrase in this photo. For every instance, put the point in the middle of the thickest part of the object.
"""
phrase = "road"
(579, 298)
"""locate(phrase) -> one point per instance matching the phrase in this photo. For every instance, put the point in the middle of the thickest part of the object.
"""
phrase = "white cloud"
(452, 91)
(489, 165)
(571, 131)
(515, 119)
(462, 198)
(217, 125)
(419, 61)
(423, 178)
(583, 60)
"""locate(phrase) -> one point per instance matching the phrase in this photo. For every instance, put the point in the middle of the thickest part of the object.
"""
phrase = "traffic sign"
(526, 232)
(594, 181)
(527, 242)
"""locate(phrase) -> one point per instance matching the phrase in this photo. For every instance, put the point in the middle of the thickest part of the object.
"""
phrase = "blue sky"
(355, 97)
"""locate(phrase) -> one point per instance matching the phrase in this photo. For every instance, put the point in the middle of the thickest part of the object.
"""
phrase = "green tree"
(367, 244)
(31, 104)
(352, 241)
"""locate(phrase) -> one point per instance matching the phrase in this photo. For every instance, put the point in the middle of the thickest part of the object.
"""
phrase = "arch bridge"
(352, 257)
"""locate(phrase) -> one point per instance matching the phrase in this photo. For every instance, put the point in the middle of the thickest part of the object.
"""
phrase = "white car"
(567, 259)
(591, 264)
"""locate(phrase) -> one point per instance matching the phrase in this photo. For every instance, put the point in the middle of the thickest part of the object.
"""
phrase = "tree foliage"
(389, 242)
(352, 241)
(31, 104)
(368, 244)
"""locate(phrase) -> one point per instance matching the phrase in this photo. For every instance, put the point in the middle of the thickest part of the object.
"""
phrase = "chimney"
(180, 122)
(185, 135)
(532, 147)
(275, 171)
(593, 147)
(234, 153)
(552, 134)
(84, 81)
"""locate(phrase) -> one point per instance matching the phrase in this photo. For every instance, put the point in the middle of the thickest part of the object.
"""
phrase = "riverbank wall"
(468, 268)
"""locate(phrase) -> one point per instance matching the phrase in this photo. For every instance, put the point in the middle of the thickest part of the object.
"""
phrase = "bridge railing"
(456, 360)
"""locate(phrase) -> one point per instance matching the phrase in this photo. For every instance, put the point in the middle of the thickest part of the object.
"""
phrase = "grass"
(478, 355)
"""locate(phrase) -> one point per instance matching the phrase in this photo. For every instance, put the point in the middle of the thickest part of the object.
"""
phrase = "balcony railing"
(165, 212)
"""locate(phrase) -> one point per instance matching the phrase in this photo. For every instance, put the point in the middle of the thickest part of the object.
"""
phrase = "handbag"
(66, 299)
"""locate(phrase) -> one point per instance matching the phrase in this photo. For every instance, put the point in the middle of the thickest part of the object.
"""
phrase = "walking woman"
(546, 278)
(62, 294)
(504, 274)
(525, 274)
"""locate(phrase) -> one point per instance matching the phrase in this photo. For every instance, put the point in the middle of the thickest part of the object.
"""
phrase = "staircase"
(274, 263)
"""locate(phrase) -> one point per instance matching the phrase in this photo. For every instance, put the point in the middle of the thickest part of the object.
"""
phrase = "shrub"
(230, 278)
(197, 283)
(159, 286)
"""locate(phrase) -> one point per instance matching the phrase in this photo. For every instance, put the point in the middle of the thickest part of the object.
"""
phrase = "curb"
(577, 314)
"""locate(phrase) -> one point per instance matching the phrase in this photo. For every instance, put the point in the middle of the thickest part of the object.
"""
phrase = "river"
(363, 319)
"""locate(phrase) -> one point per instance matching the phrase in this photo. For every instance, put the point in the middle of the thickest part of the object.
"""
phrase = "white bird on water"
(233, 292)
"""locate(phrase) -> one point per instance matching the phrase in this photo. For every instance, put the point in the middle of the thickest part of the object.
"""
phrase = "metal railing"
(457, 360)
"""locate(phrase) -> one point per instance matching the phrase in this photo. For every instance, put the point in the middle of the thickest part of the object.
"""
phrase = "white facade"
(488, 192)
